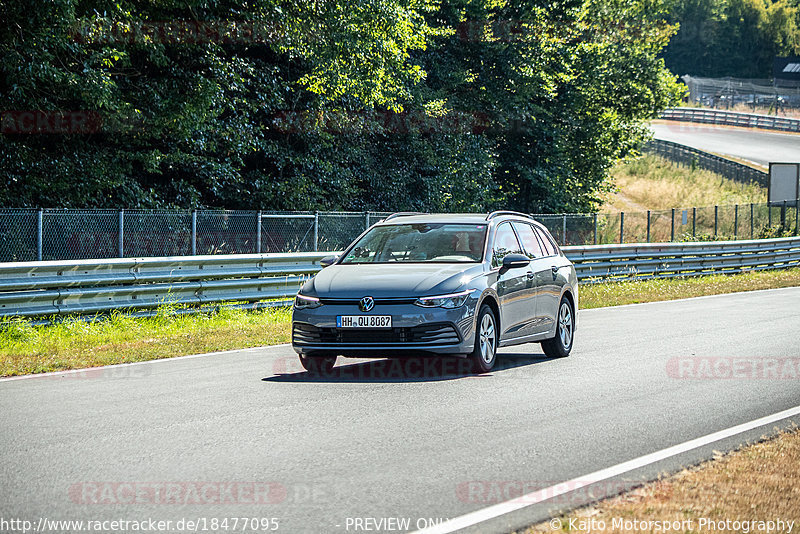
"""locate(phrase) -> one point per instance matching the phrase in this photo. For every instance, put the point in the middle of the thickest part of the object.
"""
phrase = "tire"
(561, 345)
(484, 354)
(318, 364)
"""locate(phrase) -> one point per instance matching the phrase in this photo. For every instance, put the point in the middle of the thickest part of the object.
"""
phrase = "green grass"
(74, 344)
(619, 293)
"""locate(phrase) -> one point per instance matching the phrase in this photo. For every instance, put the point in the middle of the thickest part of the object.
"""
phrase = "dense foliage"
(276, 104)
(736, 38)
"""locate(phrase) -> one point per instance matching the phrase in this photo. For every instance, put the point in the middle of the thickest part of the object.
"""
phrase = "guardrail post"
(121, 236)
(752, 222)
(194, 232)
(258, 233)
(621, 227)
(672, 236)
(595, 228)
(316, 231)
(648, 226)
(716, 218)
(39, 232)
(735, 221)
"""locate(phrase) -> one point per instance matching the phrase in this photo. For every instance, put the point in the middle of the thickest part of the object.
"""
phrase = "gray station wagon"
(458, 285)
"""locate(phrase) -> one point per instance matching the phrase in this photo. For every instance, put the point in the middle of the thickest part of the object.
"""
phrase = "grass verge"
(654, 183)
(73, 344)
(759, 482)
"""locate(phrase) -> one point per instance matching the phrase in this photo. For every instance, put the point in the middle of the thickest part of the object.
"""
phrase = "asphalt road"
(758, 146)
(376, 441)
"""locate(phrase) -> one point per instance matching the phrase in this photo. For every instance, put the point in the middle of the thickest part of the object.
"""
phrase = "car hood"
(396, 280)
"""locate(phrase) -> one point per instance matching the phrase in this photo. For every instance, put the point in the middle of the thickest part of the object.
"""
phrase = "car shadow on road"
(402, 369)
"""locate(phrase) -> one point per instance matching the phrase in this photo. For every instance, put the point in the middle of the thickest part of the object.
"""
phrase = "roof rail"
(494, 214)
(405, 214)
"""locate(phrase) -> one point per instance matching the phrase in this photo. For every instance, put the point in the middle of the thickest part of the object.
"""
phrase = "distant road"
(409, 442)
(757, 146)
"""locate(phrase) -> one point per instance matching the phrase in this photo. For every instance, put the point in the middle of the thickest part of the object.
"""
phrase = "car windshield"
(419, 243)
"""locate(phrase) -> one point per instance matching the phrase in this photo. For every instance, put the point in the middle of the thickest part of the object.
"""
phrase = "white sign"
(784, 182)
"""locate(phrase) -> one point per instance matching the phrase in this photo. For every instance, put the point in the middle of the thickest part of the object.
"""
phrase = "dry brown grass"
(653, 183)
(759, 482)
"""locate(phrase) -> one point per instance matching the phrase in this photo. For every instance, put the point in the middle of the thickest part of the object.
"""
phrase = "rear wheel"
(485, 352)
(317, 364)
(561, 345)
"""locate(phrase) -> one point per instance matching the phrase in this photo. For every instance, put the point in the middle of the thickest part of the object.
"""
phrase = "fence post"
(621, 227)
(694, 222)
(121, 237)
(316, 231)
(783, 215)
(716, 212)
(752, 222)
(564, 230)
(672, 236)
(797, 214)
(39, 232)
(595, 228)
(366, 220)
(194, 232)
(258, 232)
(735, 221)
(648, 226)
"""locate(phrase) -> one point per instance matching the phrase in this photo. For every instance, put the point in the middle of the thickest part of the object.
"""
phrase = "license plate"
(364, 321)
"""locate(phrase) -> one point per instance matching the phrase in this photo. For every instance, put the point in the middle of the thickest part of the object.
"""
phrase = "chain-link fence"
(29, 234)
(776, 96)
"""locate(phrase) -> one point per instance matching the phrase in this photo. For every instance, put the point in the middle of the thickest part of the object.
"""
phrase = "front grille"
(355, 302)
(433, 334)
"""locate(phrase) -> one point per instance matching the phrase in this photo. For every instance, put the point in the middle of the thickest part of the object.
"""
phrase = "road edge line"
(497, 510)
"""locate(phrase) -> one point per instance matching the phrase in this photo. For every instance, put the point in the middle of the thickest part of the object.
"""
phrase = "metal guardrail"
(732, 118)
(686, 155)
(667, 260)
(31, 289)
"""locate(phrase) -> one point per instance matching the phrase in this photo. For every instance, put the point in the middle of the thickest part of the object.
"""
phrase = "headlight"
(302, 302)
(453, 300)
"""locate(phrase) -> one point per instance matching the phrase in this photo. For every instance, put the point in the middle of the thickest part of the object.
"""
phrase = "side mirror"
(328, 260)
(514, 261)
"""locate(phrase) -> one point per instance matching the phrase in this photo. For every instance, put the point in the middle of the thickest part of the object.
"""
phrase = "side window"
(547, 244)
(505, 243)
(533, 249)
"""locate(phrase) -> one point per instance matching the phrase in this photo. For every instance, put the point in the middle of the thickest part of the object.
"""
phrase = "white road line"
(148, 362)
(479, 516)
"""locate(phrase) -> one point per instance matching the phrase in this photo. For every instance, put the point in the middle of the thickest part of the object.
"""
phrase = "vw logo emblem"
(366, 304)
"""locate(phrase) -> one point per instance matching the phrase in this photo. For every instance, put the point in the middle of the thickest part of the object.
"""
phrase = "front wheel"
(485, 352)
(561, 345)
(318, 364)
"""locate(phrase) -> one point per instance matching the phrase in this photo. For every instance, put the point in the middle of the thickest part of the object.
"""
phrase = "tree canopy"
(737, 38)
(450, 105)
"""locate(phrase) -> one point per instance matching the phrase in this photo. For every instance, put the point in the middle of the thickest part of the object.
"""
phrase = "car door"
(550, 280)
(512, 284)
(537, 271)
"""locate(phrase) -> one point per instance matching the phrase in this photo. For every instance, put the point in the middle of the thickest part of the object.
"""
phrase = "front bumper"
(414, 329)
